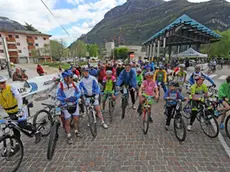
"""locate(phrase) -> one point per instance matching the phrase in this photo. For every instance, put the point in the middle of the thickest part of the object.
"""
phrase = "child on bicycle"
(148, 88)
(139, 77)
(109, 83)
(170, 96)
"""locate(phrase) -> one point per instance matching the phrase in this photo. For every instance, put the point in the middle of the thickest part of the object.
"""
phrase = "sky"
(77, 16)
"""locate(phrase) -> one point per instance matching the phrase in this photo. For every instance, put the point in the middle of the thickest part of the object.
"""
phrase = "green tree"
(121, 53)
(30, 27)
(57, 49)
(78, 49)
(35, 54)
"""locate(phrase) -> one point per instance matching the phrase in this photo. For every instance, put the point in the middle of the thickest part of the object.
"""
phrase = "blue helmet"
(66, 73)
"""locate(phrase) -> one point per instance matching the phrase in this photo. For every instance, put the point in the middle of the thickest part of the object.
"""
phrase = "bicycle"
(179, 124)
(111, 106)
(205, 115)
(14, 142)
(124, 100)
(92, 120)
(146, 113)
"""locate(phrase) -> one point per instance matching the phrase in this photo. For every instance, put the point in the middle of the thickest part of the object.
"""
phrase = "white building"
(137, 51)
(109, 47)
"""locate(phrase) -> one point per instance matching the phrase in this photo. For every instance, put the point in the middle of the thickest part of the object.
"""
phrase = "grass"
(63, 65)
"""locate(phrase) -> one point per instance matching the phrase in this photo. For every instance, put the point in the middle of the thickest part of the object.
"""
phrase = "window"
(44, 39)
(16, 36)
(18, 43)
(30, 44)
(36, 45)
(1, 51)
(29, 36)
(35, 38)
(10, 36)
(20, 51)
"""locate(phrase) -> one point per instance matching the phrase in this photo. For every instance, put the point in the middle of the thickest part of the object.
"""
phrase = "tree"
(78, 49)
(121, 53)
(57, 49)
(30, 27)
(35, 54)
(93, 50)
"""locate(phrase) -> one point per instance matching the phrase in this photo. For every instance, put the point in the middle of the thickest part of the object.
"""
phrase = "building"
(109, 47)
(22, 43)
(137, 50)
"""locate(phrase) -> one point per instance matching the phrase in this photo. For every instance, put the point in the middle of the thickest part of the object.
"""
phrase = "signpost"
(7, 56)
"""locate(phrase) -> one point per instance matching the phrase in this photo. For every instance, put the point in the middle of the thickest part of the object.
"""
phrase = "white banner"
(34, 85)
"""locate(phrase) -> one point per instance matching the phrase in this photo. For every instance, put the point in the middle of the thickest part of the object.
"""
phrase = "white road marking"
(212, 76)
(223, 77)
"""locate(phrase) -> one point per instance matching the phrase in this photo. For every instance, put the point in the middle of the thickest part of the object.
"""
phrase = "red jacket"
(40, 70)
(101, 74)
(77, 73)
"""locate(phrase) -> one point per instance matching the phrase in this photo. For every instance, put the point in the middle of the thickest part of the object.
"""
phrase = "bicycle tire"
(227, 128)
(37, 125)
(145, 119)
(186, 111)
(207, 120)
(52, 140)
(218, 67)
(124, 105)
(179, 120)
(21, 151)
(92, 123)
(111, 110)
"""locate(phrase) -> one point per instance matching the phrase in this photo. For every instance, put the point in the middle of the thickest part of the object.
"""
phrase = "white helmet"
(3, 79)
(75, 77)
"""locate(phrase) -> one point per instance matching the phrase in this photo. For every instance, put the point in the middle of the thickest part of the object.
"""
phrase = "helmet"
(86, 69)
(198, 77)
(182, 66)
(75, 77)
(175, 84)
(138, 69)
(3, 79)
(149, 74)
(66, 73)
(109, 72)
(197, 67)
(161, 66)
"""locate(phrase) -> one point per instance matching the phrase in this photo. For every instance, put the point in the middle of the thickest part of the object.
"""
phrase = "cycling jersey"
(174, 94)
(199, 91)
(224, 91)
(149, 87)
(180, 77)
(192, 77)
(139, 79)
(160, 76)
(109, 84)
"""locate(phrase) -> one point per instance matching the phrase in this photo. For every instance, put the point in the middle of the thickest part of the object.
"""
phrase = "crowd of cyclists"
(144, 78)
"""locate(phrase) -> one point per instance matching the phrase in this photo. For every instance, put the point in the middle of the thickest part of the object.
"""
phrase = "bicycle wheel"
(179, 128)
(11, 153)
(187, 110)
(124, 105)
(52, 140)
(209, 125)
(42, 121)
(145, 119)
(218, 67)
(227, 126)
(111, 110)
(92, 123)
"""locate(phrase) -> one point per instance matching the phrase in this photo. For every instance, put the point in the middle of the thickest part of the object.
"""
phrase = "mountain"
(135, 21)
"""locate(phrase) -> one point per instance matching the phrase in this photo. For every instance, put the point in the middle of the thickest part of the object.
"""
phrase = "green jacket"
(224, 91)
(139, 79)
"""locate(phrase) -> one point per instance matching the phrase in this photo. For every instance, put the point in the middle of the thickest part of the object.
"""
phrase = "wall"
(23, 45)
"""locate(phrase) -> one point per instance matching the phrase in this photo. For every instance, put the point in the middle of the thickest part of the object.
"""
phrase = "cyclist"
(93, 71)
(198, 91)
(11, 101)
(170, 96)
(199, 73)
(128, 78)
(149, 88)
(224, 97)
(180, 76)
(90, 87)
(109, 83)
(160, 75)
(68, 94)
(139, 77)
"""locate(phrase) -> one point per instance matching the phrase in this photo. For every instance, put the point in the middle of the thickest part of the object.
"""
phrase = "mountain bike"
(92, 119)
(112, 104)
(124, 100)
(12, 145)
(146, 112)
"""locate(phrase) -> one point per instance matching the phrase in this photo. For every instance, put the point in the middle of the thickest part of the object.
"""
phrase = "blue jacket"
(127, 78)
(93, 72)
(175, 94)
(192, 80)
(152, 66)
(63, 94)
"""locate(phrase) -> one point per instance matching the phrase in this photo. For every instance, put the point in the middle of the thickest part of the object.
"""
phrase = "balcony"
(30, 40)
(10, 39)
(13, 53)
(30, 47)
(12, 47)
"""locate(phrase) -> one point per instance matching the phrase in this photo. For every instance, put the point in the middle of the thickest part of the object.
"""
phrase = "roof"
(31, 32)
(184, 19)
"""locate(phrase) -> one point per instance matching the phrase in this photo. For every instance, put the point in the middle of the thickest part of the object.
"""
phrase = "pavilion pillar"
(170, 52)
(164, 46)
(158, 49)
(151, 51)
(147, 50)
(154, 49)
(198, 47)
(178, 49)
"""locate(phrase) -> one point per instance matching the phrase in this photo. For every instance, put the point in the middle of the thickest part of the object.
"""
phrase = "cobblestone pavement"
(123, 147)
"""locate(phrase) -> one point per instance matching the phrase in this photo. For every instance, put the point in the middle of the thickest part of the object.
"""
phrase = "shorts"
(67, 115)
(106, 94)
(96, 102)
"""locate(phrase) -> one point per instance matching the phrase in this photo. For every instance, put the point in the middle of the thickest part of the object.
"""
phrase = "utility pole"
(7, 56)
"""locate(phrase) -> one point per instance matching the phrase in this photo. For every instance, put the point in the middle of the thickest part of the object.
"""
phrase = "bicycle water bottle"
(125, 90)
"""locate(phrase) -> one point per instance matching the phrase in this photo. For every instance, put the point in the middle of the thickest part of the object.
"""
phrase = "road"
(123, 147)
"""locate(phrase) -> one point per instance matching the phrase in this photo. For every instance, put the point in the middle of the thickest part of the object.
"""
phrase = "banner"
(34, 85)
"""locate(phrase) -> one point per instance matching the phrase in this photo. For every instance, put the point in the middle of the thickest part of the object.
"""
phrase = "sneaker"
(104, 125)
(217, 113)
(69, 140)
(38, 136)
(166, 127)
(221, 126)
(79, 134)
(150, 119)
(14, 149)
(134, 107)
(189, 128)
